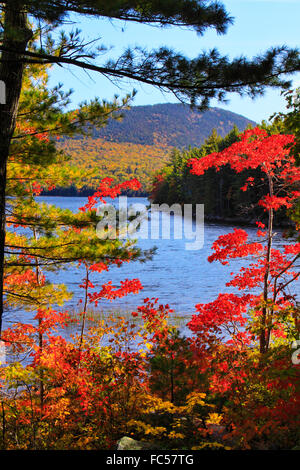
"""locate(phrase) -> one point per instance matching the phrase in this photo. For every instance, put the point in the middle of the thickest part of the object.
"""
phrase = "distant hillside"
(140, 144)
(118, 160)
(171, 125)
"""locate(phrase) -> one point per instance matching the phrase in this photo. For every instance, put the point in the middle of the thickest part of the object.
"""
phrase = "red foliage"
(107, 190)
(255, 149)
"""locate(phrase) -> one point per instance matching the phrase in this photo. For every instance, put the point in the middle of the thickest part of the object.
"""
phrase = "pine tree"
(43, 238)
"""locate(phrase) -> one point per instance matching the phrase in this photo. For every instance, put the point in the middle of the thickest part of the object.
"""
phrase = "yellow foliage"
(211, 446)
(119, 160)
(214, 418)
(195, 399)
(141, 427)
(155, 405)
(175, 435)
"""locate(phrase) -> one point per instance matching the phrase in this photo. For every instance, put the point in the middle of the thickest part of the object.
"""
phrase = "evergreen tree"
(43, 238)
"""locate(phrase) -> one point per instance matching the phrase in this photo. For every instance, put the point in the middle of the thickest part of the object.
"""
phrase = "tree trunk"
(16, 37)
(264, 335)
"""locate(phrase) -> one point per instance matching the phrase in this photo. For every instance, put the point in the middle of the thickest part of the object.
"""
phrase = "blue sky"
(258, 25)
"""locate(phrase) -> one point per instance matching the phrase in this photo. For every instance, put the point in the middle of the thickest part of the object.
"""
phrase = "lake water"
(175, 276)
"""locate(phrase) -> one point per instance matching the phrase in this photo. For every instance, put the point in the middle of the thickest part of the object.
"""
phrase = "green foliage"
(290, 121)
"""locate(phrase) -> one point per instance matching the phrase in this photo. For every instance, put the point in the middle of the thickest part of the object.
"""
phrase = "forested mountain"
(174, 125)
(141, 143)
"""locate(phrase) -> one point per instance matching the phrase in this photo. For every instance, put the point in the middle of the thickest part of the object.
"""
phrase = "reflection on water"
(175, 276)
